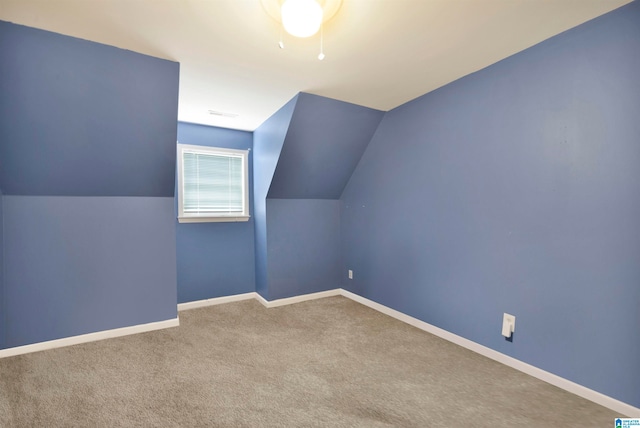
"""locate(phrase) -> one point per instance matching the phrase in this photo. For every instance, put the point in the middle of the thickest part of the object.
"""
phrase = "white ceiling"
(379, 53)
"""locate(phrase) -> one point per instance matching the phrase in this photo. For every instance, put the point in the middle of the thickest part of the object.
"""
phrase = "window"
(213, 184)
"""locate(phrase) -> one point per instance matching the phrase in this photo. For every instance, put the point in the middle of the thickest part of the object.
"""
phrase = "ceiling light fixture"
(302, 18)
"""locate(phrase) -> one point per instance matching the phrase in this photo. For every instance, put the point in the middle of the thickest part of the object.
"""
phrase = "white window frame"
(212, 217)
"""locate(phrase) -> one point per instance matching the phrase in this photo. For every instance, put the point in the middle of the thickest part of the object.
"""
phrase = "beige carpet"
(329, 362)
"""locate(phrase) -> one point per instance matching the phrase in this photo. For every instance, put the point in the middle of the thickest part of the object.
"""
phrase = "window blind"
(212, 183)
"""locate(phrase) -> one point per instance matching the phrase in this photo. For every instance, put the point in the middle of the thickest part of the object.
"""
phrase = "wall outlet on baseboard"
(350, 274)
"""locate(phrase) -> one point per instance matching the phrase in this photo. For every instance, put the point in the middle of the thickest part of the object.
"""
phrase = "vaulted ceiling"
(379, 53)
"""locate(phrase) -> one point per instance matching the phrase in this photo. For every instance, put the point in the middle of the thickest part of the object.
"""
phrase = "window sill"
(202, 219)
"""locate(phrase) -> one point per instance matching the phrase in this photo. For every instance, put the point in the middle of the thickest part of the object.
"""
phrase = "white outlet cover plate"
(509, 319)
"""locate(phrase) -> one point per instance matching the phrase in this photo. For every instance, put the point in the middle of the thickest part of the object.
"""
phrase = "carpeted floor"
(323, 363)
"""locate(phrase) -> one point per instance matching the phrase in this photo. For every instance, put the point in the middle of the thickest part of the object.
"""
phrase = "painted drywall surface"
(81, 265)
(215, 259)
(325, 141)
(87, 167)
(304, 155)
(2, 309)
(268, 139)
(516, 190)
(303, 237)
(79, 118)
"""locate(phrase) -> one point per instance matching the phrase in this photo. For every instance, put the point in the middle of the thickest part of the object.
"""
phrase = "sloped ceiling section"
(324, 143)
(268, 140)
(79, 118)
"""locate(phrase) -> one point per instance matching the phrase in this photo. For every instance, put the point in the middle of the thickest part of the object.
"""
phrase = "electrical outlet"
(508, 325)
(350, 274)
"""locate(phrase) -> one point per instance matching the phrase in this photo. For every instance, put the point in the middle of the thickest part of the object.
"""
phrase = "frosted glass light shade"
(301, 18)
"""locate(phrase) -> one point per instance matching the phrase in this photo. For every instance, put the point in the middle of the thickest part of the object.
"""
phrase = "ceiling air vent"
(222, 114)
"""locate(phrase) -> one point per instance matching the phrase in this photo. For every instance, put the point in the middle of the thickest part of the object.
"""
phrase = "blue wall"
(215, 259)
(87, 167)
(515, 189)
(304, 156)
(2, 308)
(303, 238)
(267, 144)
(324, 143)
(79, 118)
(80, 265)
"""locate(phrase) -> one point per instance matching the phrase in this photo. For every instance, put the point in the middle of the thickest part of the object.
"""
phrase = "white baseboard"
(562, 383)
(216, 301)
(297, 299)
(90, 337)
(266, 303)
